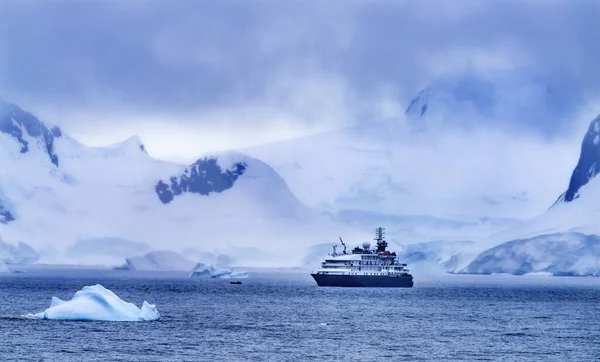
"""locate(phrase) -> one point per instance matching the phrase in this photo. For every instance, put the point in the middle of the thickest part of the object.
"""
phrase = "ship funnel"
(366, 245)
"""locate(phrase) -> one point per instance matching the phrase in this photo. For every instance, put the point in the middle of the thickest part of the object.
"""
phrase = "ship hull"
(372, 281)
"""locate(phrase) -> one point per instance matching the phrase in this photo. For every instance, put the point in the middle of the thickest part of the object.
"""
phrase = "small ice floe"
(539, 274)
(96, 303)
(202, 270)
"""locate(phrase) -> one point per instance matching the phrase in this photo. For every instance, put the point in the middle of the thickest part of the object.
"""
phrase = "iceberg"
(21, 254)
(160, 260)
(202, 270)
(96, 303)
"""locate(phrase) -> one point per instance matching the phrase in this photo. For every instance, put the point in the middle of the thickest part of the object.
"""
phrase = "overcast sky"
(196, 76)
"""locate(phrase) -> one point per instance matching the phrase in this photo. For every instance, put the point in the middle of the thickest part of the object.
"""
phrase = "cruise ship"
(364, 267)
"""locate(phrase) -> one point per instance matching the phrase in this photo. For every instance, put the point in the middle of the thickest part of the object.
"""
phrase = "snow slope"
(59, 192)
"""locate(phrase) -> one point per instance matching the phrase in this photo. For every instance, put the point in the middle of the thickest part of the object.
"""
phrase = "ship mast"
(379, 237)
(342, 241)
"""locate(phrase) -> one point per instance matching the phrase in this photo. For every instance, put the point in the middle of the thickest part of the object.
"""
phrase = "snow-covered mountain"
(57, 194)
(475, 170)
(561, 241)
(576, 210)
(423, 187)
(518, 100)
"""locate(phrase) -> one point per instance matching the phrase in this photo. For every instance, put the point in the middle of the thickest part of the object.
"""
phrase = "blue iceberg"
(202, 270)
(96, 303)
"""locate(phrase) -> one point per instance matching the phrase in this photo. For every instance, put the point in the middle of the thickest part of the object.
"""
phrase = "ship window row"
(367, 273)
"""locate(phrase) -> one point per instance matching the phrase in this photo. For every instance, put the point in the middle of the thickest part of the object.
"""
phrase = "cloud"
(273, 68)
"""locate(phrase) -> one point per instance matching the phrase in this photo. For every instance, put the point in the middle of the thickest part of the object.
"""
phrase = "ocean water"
(286, 317)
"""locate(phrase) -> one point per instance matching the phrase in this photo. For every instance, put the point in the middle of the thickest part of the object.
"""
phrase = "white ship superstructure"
(369, 263)
(363, 266)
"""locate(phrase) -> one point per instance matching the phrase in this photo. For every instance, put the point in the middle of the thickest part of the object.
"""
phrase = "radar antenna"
(342, 241)
(379, 237)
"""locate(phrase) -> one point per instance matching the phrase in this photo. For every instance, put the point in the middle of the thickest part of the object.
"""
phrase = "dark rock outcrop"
(203, 177)
(587, 167)
(16, 122)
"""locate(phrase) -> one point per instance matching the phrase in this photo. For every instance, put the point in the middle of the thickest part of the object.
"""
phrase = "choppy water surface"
(285, 317)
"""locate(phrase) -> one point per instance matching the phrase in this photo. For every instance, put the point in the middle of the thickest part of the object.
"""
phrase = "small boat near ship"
(364, 267)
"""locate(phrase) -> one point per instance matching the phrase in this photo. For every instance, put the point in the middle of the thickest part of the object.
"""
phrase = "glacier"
(447, 255)
(202, 270)
(96, 303)
(560, 254)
